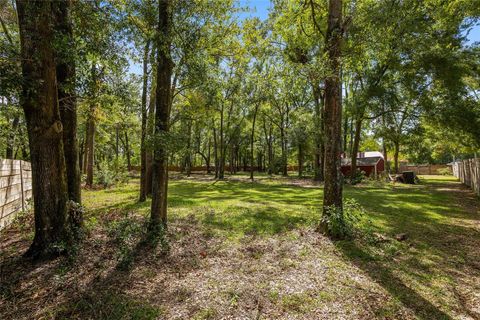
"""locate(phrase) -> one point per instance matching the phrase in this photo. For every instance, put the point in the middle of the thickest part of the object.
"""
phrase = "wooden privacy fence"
(424, 169)
(468, 172)
(15, 188)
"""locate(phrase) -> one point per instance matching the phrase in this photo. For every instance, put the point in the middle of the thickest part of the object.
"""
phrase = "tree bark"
(67, 98)
(333, 113)
(215, 151)
(162, 115)
(127, 152)
(318, 161)
(356, 145)
(283, 141)
(268, 139)
(385, 156)
(252, 138)
(300, 160)
(11, 142)
(90, 140)
(143, 149)
(221, 167)
(395, 156)
(39, 99)
(150, 132)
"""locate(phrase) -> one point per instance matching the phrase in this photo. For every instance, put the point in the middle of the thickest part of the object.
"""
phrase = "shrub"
(358, 177)
(110, 174)
(445, 171)
(344, 224)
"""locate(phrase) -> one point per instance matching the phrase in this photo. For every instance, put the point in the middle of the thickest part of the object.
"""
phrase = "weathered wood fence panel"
(424, 169)
(468, 172)
(15, 188)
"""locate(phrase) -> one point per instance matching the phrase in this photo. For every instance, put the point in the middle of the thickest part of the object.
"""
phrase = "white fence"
(15, 188)
(468, 172)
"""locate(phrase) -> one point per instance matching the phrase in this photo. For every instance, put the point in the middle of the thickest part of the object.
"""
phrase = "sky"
(258, 8)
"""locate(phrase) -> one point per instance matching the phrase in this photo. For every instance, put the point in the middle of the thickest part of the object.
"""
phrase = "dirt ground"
(197, 274)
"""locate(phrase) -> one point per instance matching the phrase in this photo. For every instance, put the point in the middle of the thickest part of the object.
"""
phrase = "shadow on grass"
(386, 278)
(106, 297)
(261, 221)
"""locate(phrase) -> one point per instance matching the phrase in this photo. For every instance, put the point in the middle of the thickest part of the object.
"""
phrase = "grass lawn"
(241, 250)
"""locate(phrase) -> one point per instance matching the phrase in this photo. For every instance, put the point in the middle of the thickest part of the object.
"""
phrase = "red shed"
(372, 163)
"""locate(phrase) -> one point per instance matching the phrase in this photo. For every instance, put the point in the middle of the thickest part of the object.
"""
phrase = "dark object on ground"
(401, 237)
(409, 177)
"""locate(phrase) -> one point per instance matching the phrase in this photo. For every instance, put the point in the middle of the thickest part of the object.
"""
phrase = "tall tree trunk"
(284, 151)
(143, 149)
(90, 145)
(150, 132)
(80, 155)
(385, 156)
(162, 115)
(252, 140)
(67, 98)
(39, 99)
(300, 160)
(215, 151)
(268, 139)
(318, 160)
(127, 151)
(117, 142)
(85, 151)
(207, 160)
(11, 142)
(395, 155)
(333, 114)
(90, 141)
(356, 145)
(221, 169)
(188, 155)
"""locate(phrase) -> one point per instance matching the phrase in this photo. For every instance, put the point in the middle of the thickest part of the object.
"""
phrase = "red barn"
(372, 163)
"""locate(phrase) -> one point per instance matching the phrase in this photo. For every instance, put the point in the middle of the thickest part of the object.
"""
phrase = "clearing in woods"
(242, 250)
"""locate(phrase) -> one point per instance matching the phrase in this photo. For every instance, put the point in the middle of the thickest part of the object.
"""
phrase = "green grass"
(109, 305)
(236, 208)
(418, 273)
(230, 208)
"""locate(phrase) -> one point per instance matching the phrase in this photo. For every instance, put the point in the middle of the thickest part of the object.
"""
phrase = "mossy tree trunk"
(39, 99)
(333, 112)
(66, 96)
(162, 115)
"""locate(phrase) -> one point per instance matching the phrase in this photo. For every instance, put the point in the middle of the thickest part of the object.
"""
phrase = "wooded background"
(15, 188)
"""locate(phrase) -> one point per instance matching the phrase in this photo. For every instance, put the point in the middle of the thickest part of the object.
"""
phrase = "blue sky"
(474, 35)
(258, 8)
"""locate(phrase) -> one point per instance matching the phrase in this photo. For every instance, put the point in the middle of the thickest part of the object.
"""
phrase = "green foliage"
(445, 171)
(110, 174)
(358, 177)
(344, 224)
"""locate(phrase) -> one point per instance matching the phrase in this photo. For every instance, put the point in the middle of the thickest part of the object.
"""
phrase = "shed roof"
(367, 162)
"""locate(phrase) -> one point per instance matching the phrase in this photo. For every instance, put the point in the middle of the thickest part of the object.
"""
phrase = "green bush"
(445, 171)
(344, 224)
(110, 174)
(358, 177)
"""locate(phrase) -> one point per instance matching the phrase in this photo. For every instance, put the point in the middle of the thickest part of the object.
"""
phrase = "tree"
(39, 99)
(162, 114)
(332, 199)
(67, 96)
